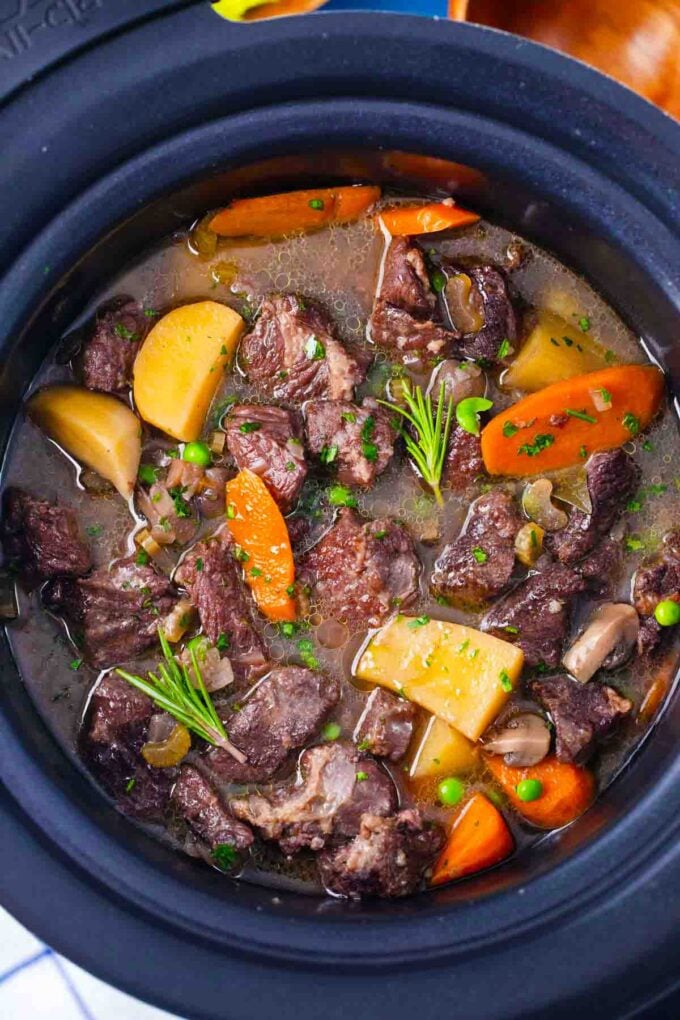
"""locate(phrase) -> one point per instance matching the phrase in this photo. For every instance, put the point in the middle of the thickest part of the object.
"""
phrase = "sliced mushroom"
(538, 506)
(524, 740)
(607, 641)
(462, 379)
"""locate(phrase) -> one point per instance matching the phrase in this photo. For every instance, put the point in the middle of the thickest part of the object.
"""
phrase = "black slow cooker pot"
(122, 133)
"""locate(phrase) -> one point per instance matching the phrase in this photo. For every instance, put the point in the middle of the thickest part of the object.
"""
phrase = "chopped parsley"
(633, 506)
(255, 572)
(314, 349)
(223, 351)
(506, 682)
(340, 495)
(479, 554)
(199, 564)
(581, 415)
(420, 621)
(509, 629)
(75, 664)
(364, 745)
(231, 511)
(582, 452)
(290, 465)
(240, 554)
(290, 590)
(150, 313)
(379, 534)
(147, 474)
(438, 281)
(647, 446)
(328, 454)
(555, 342)
(509, 430)
(287, 629)
(142, 558)
(606, 395)
(222, 643)
(633, 544)
(463, 645)
(124, 333)
(306, 649)
(182, 508)
(349, 416)
(609, 356)
(130, 785)
(584, 323)
(317, 203)
(362, 777)
(250, 426)
(504, 348)
(568, 342)
(541, 442)
(631, 423)
(94, 530)
(224, 856)
(369, 449)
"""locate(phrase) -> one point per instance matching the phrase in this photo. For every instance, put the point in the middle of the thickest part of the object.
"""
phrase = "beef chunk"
(386, 725)
(536, 614)
(654, 582)
(202, 807)
(404, 313)
(360, 570)
(118, 611)
(109, 355)
(336, 788)
(602, 567)
(111, 744)
(41, 538)
(387, 857)
(464, 460)
(490, 299)
(479, 563)
(612, 479)
(291, 353)
(282, 714)
(266, 440)
(212, 578)
(580, 712)
(356, 441)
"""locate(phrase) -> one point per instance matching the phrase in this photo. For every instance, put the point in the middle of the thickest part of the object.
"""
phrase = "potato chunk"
(96, 429)
(443, 751)
(180, 365)
(554, 350)
(455, 672)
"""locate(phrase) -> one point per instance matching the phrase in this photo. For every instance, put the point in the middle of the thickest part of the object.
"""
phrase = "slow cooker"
(134, 118)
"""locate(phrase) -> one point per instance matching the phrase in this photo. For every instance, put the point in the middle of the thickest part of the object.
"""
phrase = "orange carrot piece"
(547, 430)
(479, 838)
(425, 219)
(568, 790)
(290, 211)
(257, 526)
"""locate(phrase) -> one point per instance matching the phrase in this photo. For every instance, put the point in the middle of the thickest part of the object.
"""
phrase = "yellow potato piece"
(96, 429)
(442, 751)
(541, 362)
(456, 672)
(180, 365)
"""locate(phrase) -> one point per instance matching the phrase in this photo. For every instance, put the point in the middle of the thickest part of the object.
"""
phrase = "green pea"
(197, 453)
(331, 731)
(451, 790)
(529, 789)
(667, 613)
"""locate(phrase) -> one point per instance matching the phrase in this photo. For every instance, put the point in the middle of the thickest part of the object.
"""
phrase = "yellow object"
(456, 672)
(541, 362)
(234, 10)
(180, 366)
(529, 543)
(443, 751)
(96, 429)
(164, 754)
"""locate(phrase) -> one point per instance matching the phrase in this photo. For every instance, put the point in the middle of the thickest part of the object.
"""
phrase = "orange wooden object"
(634, 41)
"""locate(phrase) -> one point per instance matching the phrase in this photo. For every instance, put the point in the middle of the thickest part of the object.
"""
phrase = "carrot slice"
(567, 790)
(425, 219)
(479, 838)
(562, 425)
(290, 211)
(258, 528)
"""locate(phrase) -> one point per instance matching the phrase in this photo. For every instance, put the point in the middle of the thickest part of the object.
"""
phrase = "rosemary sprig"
(433, 428)
(172, 689)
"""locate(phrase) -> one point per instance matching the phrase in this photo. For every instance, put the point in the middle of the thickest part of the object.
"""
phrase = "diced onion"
(599, 401)
(177, 622)
(217, 441)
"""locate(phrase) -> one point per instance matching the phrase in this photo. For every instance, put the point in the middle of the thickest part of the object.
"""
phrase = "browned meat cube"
(355, 441)
(291, 354)
(361, 570)
(109, 355)
(386, 725)
(487, 300)
(42, 539)
(281, 715)
(655, 581)
(581, 713)
(266, 440)
(387, 857)
(203, 808)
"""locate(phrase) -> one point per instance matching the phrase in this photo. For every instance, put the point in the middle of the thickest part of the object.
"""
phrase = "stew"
(344, 527)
